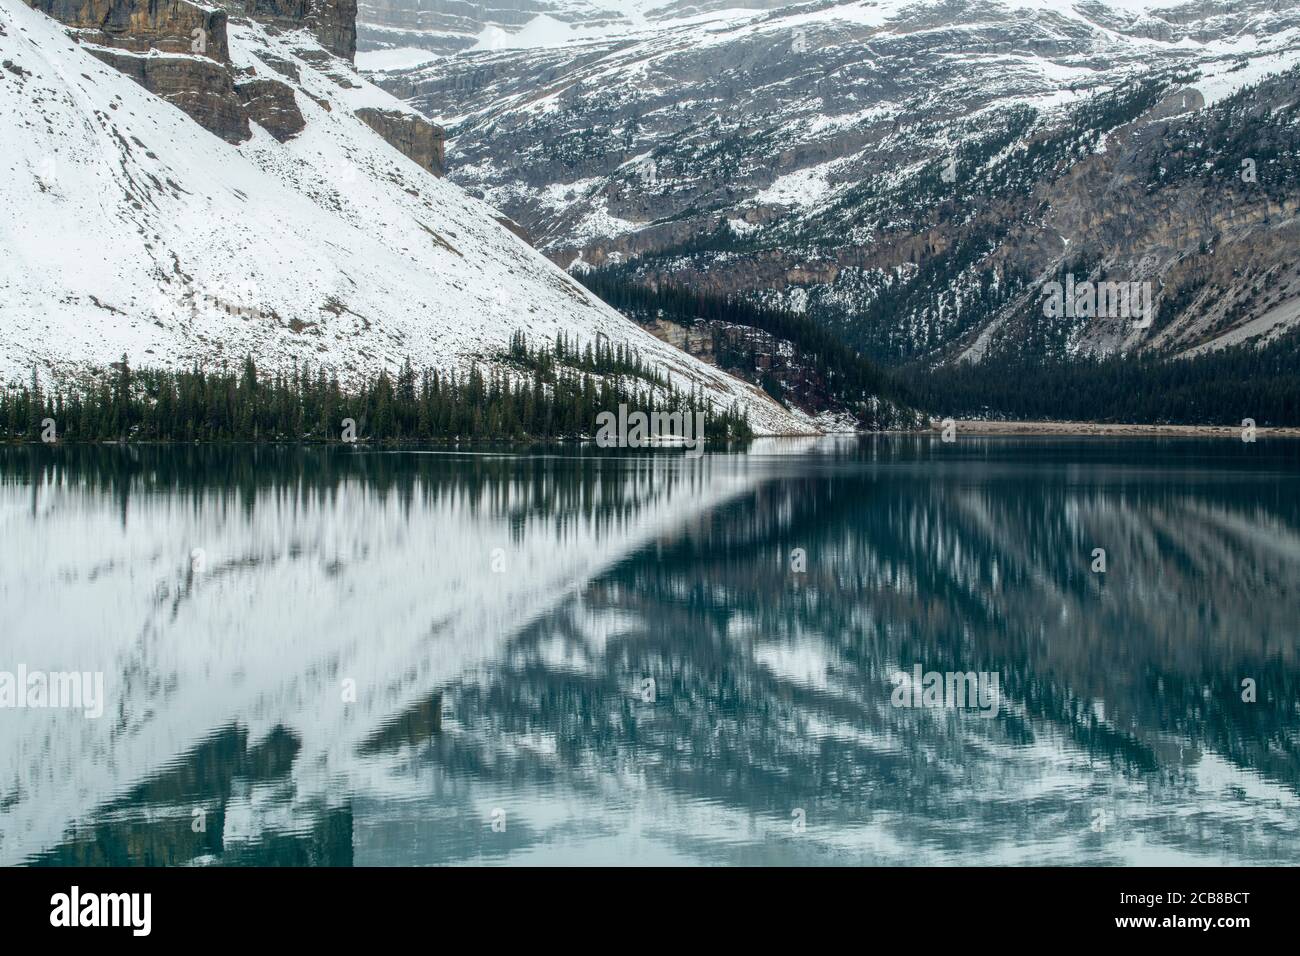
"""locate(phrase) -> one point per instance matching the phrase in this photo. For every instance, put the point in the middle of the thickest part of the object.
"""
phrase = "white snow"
(541, 31)
(127, 223)
(802, 188)
(1222, 78)
(397, 58)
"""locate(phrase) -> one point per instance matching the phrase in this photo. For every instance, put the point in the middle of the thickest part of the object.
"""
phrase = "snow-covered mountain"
(904, 170)
(186, 186)
(407, 27)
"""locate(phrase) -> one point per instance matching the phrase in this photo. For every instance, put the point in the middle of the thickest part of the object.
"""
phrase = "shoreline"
(1111, 430)
(985, 429)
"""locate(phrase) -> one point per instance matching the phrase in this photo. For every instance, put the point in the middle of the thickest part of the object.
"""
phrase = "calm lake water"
(346, 656)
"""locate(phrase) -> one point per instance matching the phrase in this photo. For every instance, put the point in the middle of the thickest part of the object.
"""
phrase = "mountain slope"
(132, 229)
(906, 173)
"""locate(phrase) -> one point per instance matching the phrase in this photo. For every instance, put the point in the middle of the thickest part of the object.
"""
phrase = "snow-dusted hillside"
(780, 153)
(128, 228)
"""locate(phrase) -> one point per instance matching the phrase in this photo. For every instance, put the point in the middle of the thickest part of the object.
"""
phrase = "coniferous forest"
(1034, 384)
(855, 378)
(1215, 388)
(555, 392)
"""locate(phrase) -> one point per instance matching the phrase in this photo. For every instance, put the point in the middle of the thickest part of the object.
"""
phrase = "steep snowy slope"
(130, 228)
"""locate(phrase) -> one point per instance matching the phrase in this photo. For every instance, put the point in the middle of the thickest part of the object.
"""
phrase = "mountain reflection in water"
(645, 679)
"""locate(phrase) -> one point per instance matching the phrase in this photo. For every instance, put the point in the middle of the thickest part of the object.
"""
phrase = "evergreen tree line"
(949, 294)
(1215, 388)
(249, 474)
(850, 377)
(598, 358)
(544, 398)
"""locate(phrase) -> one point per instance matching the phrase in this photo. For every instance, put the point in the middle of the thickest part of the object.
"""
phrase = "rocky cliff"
(411, 135)
(332, 22)
(271, 105)
(203, 88)
(169, 26)
(179, 51)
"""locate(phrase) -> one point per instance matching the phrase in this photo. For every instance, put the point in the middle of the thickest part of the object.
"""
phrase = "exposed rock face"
(271, 105)
(197, 78)
(411, 135)
(173, 26)
(283, 67)
(200, 87)
(333, 22)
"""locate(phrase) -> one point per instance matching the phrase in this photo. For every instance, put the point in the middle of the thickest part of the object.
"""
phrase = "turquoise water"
(346, 656)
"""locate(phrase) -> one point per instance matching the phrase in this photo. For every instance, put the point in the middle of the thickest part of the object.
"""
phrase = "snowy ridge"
(565, 22)
(130, 229)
